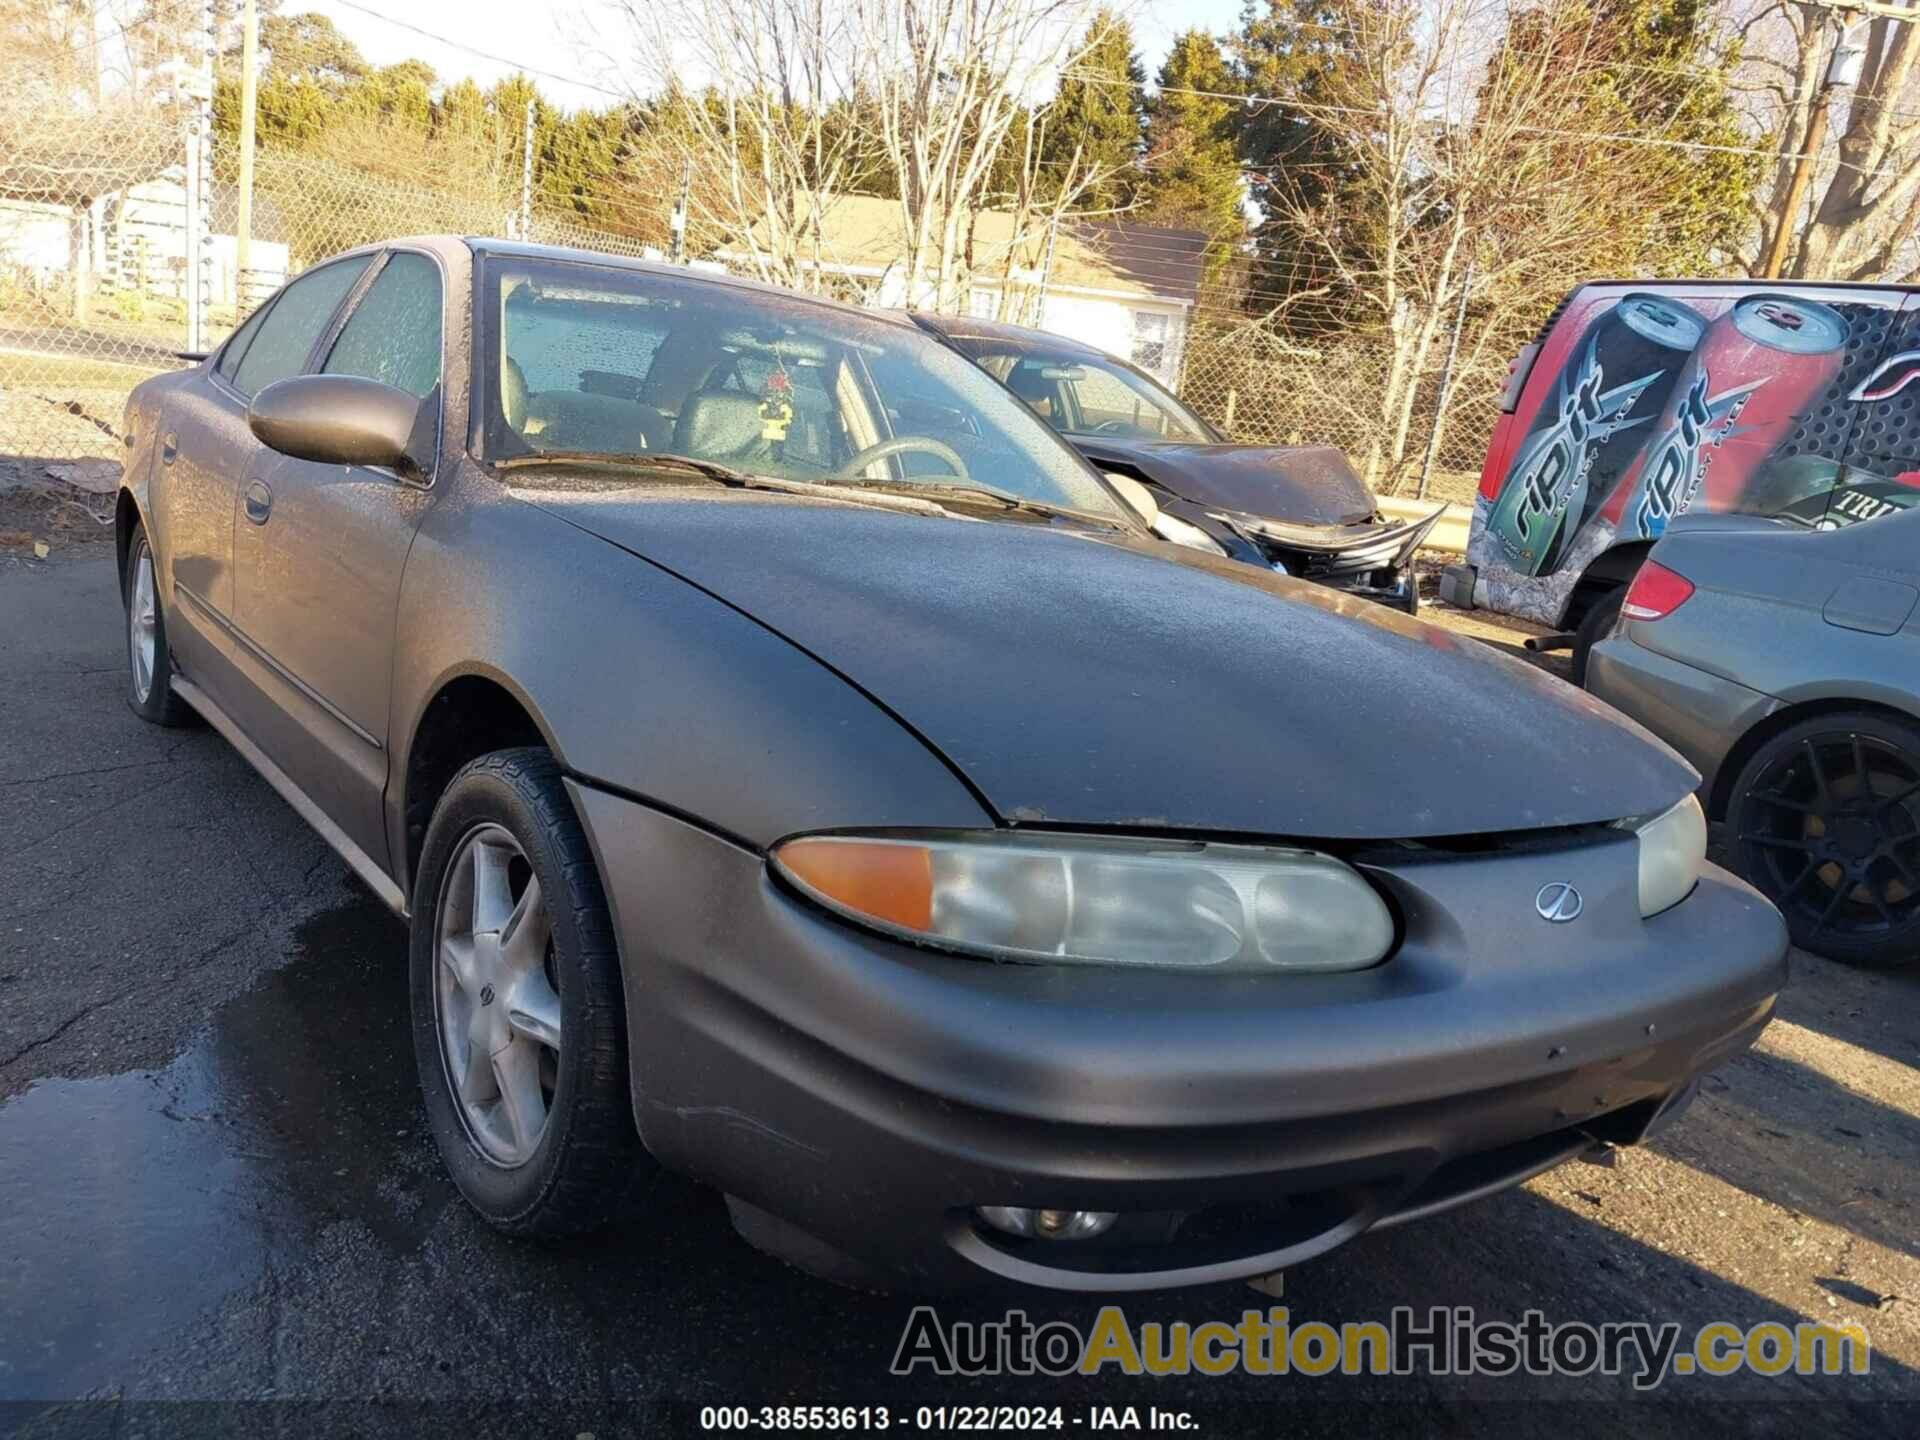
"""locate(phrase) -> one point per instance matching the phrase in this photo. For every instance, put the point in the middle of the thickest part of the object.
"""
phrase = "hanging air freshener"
(776, 406)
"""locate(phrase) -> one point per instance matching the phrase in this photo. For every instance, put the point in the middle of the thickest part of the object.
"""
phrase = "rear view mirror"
(338, 420)
(1063, 372)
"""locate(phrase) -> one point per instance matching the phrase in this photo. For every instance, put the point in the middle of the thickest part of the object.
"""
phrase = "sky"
(579, 41)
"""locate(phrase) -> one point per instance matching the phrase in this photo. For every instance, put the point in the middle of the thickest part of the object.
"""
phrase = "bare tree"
(1865, 207)
(1470, 138)
(745, 92)
(779, 106)
(947, 80)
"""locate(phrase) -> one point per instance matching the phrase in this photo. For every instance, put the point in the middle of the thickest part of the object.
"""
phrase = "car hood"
(1302, 484)
(1087, 678)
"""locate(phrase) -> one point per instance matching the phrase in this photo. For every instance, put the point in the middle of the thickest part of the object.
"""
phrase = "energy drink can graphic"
(1756, 373)
(1618, 377)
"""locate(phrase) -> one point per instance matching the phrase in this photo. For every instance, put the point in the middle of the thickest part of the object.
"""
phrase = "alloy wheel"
(1834, 825)
(142, 625)
(497, 1003)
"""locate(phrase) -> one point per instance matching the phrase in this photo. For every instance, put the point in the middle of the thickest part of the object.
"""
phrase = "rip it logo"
(1679, 461)
(1550, 475)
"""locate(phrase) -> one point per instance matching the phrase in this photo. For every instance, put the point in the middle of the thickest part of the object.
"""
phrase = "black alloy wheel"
(1826, 821)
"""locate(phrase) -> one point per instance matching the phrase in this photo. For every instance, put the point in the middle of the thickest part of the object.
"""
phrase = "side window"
(393, 335)
(286, 335)
(237, 347)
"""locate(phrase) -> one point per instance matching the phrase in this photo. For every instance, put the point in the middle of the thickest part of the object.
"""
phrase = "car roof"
(485, 245)
(1701, 282)
(965, 327)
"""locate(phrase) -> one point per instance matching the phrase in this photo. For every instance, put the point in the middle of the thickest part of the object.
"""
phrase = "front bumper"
(1701, 715)
(1372, 560)
(870, 1094)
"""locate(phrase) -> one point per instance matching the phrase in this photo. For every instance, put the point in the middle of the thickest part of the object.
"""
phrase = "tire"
(1594, 627)
(1836, 847)
(150, 693)
(504, 825)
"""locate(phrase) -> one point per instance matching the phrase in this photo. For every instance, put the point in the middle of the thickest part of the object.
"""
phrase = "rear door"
(1881, 474)
(205, 451)
(318, 555)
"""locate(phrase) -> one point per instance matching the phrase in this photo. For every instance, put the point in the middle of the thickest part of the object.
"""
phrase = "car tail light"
(1656, 591)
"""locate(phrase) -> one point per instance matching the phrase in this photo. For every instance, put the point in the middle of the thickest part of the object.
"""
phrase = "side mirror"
(338, 420)
(1138, 497)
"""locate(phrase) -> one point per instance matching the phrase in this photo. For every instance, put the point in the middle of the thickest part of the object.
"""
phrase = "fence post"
(1446, 383)
(190, 237)
(249, 101)
(526, 177)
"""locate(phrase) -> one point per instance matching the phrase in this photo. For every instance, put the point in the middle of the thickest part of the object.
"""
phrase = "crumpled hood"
(1090, 679)
(1303, 484)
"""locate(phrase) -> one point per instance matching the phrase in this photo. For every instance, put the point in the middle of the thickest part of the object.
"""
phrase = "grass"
(50, 374)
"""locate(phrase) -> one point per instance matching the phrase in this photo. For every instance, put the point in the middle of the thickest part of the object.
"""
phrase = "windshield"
(1086, 395)
(599, 361)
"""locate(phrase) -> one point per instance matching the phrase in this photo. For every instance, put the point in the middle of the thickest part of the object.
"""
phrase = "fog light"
(1048, 1224)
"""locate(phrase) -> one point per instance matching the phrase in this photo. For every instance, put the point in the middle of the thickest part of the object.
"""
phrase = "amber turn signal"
(883, 880)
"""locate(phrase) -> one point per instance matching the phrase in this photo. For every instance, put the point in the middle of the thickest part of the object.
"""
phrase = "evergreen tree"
(1192, 174)
(1291, 54)
(1098, 113)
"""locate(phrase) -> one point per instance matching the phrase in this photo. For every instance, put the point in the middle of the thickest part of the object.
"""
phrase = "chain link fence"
(1261, 388)
(99, 257)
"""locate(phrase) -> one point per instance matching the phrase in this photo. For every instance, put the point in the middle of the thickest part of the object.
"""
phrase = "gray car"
(795, 765)
(1784, 662)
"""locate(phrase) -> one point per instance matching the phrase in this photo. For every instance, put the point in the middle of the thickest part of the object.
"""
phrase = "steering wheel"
(1112, 427)
(902, 445)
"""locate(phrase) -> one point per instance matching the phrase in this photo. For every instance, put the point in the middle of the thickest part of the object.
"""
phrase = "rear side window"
(237, 347)
(393, 335)
(288, 332)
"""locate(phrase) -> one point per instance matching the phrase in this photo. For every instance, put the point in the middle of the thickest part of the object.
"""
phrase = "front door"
(318, 555)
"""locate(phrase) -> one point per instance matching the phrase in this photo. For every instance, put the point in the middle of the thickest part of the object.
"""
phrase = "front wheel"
(518, 1022)
(1826, 821)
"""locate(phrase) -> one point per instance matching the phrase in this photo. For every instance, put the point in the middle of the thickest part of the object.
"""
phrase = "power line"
(1311, 107)
(517, 65)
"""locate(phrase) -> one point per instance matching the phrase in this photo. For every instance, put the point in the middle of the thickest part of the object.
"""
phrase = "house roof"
(866, 232)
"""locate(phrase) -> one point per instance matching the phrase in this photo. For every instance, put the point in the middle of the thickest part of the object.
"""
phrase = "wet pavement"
(216, 1183)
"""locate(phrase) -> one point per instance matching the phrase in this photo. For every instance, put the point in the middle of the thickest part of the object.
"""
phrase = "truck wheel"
(519, 1025)
(1594, 627)
(1826, 822)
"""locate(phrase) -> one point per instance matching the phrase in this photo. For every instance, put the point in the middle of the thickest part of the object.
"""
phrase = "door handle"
(169, 448)
(259, 502)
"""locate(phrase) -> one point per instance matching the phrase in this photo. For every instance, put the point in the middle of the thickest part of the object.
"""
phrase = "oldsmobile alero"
(798, 768)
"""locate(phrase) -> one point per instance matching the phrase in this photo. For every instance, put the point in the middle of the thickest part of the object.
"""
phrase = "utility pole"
(249, 99)
(1843, 69)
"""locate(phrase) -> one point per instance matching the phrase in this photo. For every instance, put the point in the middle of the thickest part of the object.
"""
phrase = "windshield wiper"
(971, 493)
(929, 492)
(630, 460)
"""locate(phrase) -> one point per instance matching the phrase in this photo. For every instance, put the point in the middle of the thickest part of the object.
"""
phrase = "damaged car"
(795, 767)
(1295, 509)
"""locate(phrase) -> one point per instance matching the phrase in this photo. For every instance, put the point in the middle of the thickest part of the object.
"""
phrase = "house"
(1128, 289)
(135, 241)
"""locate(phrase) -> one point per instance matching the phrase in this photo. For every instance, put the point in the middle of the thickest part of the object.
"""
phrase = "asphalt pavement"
(218, 1197)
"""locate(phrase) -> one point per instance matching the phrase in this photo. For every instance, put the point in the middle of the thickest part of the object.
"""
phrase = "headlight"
(1091, 900)
(1185, 532)
(1673, 847)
